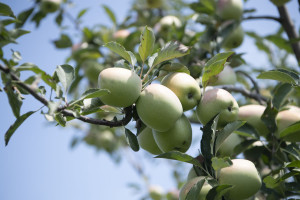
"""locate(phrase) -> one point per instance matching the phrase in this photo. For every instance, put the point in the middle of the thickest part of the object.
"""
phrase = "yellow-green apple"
(252, 114)
(286, 118)
(185, 87)
(92, 68)
(244, 177)
(124, 85)
(188, 186)
(154, 3)
(226, 77)
(147, 142)
(179, 137)
(158, 107)
(49, 6)
(227, 147)
(234, 39)
(155, 192)
(216, 101)
(280, 2)
(230, 9)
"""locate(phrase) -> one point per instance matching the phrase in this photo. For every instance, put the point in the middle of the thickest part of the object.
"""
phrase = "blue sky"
(38, 163)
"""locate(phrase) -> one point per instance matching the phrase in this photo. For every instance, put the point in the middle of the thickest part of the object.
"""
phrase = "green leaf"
(65, 75)
(287, 175)
(270, 182)
(290, 132)
(278, 76)
(217, 192)
(175, 67)
(63, 42)
(203, 6)
(208, 138)
(81, 13)
(214, 66)
(132, 140)
(219, 163)
(176, 155)
(59, 18)
(269, 116)
(295, 163)
(110, 13)
(16, 125)
(23, 16)
(60, 119)
(53, 107)
(91, 106)
(120, 50)
(243, 146)
(5, 10)
(170, 51)
(44, 76)
(280, 42)
(281, 92)
(248, 131)
(226, 131)
(15, 100)
(194, 192)
(91, 93)
(146, 47)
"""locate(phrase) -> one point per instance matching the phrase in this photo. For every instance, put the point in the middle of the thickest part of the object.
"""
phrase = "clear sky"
(38, 163)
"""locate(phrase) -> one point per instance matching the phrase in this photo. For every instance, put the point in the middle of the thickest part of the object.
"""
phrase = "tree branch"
(290, 30)
(245, 93)
(263, 17)
(63, 109)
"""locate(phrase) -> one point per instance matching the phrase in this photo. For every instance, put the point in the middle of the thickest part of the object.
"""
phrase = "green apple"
(154, 3)
(252, 114)
(216, 101)
(226, 77)
(155, 192)
(179, 137)
(230, 9)
(234, 39)
(147, 142)
(227, 147)
(124, 85)
(173, 195)
(158, 107)
(185, 87)
(243, 175)
(49, 6)
(188, 186)
(286, 118)
(166, 22)
(92, 69)
(192, 174)
(280, 2)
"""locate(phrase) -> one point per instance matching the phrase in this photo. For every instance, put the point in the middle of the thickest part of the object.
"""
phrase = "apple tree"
(170, 65)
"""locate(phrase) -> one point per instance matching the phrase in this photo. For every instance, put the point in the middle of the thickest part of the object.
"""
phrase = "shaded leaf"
(194, 192)
(110, 14)
(63, 42)
(5, 10)
(248, 131)
(22, 17)
(16, 125)
(81, 13)
(60, 119)
(280, 93)
(65, 74)
(147, 40)
(132, 140)
(217, 192)
(269, 116)
(278, 76)
(290, 132)
(203, 6)
(176, 155)
(15, 100)
(91, 93)
(219, 163)
(175, 67)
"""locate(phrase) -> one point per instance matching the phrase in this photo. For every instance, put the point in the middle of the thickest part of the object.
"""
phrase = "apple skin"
(147, 142)
(227, 147)
(280, 2)
(158, 107)
(226, 77)
(154, 3)
(50, 6)
(252, 114)
(170, 20)
(243, 175)
(216, 101)
(179, 137)
(185, 87)
(230, 9)
(286, 118)
(192, 174)
(234, 39)
(124, 85)
(187, 187)
(155, 192)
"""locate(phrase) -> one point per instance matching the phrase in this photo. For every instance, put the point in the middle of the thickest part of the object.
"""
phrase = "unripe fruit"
(185, 87)
(286, 118)
(192, 174)
(147, 142)
(158, 107)
(226, 77)
(234, 39)
(217, 101)
(50, 6)
(155, 192)
(124, 85)
(280, 2)
(179, 137)
(244, 177)
(252, 114)
(230, 9)
(227, 147)
(154, 3)
(188, 186)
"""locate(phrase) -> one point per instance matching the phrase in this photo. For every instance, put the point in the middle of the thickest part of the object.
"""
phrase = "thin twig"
(63, 109)
(262, 17)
